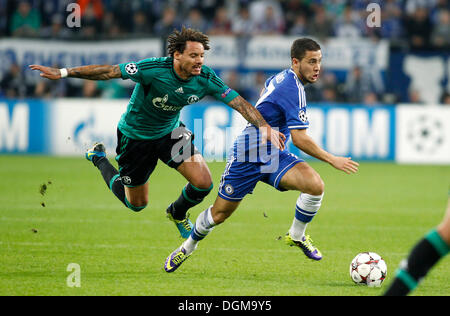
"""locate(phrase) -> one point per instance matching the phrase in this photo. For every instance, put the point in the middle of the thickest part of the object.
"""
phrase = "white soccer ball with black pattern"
(368, 268)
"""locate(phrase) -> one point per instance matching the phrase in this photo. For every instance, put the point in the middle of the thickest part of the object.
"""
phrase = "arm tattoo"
(250, 113)
(95, 72)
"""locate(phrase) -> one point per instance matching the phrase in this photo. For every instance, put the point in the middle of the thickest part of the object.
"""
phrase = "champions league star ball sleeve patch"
(131, 68)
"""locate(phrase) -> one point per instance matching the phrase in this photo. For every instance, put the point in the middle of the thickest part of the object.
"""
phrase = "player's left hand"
(345, 164)
(275, 137)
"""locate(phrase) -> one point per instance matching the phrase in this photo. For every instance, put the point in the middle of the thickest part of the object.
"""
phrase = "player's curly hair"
(177, 40)
(301, 46)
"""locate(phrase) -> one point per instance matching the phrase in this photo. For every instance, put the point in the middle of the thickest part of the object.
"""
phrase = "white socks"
(202, 227)
(305, 210)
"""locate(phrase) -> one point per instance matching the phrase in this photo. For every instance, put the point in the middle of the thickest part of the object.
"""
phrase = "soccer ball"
(368, 268)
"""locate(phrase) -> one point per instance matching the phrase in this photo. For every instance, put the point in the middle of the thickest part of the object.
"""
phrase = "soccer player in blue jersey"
(283, 104)
(150, 129)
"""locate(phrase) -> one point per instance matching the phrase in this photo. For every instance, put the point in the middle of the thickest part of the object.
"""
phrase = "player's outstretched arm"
(252, 115)
(92, 72)
(306, 144)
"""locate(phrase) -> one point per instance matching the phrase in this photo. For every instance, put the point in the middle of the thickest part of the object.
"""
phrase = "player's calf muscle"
(138, 199)
(444, 231)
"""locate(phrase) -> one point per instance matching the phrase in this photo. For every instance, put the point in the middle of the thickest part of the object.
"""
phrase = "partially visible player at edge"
(424, 255)
(282, 103)
(150, 128)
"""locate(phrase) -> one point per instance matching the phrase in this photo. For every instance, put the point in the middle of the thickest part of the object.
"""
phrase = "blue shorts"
(240, 178)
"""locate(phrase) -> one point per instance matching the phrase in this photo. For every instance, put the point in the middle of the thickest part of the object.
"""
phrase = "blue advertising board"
(24, 126)
(364, 133)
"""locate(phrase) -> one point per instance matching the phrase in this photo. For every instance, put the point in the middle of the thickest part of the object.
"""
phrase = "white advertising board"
(423, 134)
(77, 124)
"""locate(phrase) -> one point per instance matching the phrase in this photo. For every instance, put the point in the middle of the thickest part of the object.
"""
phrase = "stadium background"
(383, 96)
(389, 82)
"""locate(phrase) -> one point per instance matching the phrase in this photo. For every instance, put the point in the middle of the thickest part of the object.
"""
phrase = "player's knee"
(203, 183)
(316, 186)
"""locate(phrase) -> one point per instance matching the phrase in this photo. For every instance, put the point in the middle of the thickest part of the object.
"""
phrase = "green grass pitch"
(385, 208)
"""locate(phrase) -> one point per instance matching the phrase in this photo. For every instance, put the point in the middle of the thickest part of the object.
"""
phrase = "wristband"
(64, 73)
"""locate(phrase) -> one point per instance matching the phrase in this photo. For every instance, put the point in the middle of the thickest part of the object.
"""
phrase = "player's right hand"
(47, 72)
(275, 137)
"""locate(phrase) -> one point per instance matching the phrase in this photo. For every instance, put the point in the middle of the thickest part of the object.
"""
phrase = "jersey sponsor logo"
(192, 99)
(160, 103)
(131, 68)
(302, 116)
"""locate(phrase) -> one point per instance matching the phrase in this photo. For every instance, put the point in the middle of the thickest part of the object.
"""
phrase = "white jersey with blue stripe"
(283, 106)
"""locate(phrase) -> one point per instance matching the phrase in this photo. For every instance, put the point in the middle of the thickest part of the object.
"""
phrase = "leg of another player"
(207, 220)
(196, 171)
(135, 198)
(205, 223)
(422, 258)
(444, 227)
(305, 179)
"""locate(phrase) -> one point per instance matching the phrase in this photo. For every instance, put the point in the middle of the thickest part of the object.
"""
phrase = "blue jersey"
(283, 106)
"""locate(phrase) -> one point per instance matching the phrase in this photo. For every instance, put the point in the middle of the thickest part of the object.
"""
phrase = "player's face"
(308, 68)
(191, 60)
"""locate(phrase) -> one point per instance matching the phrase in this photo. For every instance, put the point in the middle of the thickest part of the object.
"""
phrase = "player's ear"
(177, 55)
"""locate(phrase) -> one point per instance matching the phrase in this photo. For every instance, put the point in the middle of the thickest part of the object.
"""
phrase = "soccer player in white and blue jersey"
(282, 104)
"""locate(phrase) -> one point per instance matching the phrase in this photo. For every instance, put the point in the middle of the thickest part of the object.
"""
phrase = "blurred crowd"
(410, 25)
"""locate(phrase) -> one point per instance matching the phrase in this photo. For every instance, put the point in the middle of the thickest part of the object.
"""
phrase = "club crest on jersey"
(131, 68)
(126, 180)
(302, 116)
(192, 99)
(229, 189)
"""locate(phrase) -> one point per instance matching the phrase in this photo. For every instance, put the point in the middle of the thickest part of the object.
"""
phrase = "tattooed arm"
(249, 112)
(92, 72)
(252, 115)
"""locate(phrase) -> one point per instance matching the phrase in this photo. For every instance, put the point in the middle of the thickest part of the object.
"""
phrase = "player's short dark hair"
(177, 40)
(301, 46)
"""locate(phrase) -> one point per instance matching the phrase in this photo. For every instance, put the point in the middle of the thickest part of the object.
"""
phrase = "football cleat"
(184, 226)
(175, 259)
(305, 244)
(97, 150)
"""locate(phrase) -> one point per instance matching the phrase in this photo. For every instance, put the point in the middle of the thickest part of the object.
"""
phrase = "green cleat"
(184, 226)
(97, 150)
